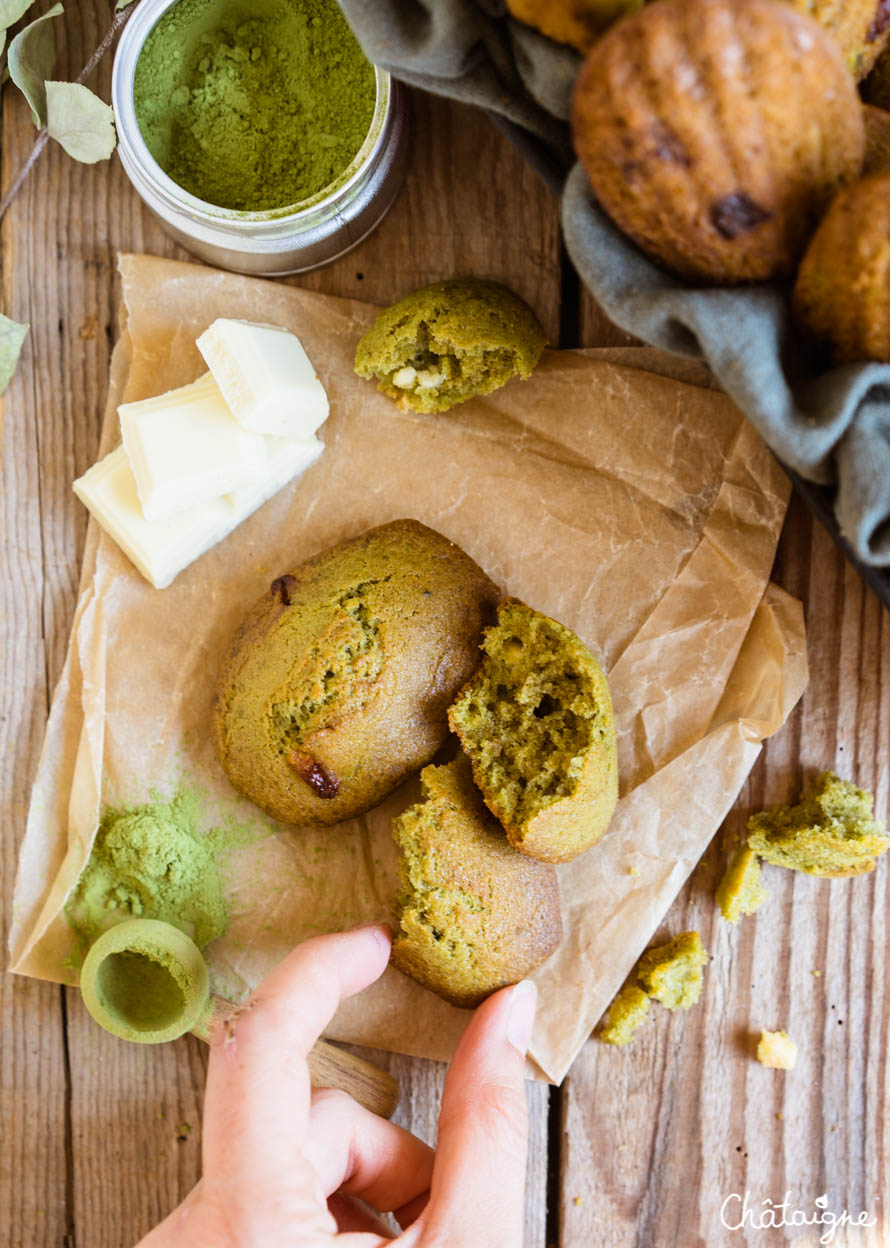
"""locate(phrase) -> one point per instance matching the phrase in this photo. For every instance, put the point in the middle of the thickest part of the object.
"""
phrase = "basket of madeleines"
(729, 140)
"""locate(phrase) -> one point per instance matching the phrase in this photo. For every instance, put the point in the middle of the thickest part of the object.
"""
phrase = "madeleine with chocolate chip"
(715, 133)
(337, 685)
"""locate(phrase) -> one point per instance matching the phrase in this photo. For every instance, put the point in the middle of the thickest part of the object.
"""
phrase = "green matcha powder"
(253, 106)
(151, 862)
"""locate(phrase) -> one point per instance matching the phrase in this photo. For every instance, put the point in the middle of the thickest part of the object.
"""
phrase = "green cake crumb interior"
(831, 831)
(741, 890)
(672, 973)
(437, 378)
(530, 715)
(433, 903)
(625, 1016)
(346, 656)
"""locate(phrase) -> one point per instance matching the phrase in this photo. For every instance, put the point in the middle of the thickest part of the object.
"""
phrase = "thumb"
(479, 1172)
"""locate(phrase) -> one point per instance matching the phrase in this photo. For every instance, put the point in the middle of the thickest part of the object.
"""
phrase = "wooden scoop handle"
(329, 1066)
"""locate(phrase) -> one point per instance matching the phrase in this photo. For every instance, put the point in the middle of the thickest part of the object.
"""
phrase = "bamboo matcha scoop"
(147, 981)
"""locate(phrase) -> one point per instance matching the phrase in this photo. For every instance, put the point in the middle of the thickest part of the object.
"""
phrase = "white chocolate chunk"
(185, 448)
(429, 377)
(287, 457)
(405, 377)
(160, 549)
(266, 377)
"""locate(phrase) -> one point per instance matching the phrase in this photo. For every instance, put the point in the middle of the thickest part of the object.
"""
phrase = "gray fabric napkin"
(832, 427)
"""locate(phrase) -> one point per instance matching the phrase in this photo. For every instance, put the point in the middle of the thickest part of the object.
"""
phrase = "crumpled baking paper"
(641, 511)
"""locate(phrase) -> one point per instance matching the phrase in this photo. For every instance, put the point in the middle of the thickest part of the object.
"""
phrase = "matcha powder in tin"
(253, 106)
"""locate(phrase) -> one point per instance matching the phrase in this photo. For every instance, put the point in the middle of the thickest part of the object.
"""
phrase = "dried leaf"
(31, 56)
(80, 121)
(12, 10)
(12, 335)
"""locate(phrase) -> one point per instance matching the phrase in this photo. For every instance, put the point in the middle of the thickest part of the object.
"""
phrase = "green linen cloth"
(832, 427)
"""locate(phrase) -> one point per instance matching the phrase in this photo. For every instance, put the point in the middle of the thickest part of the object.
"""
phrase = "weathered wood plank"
(657, 1136)
(470, 205)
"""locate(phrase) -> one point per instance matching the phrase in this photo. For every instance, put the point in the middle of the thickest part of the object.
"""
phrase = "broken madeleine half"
(449, 342)
(536, 721)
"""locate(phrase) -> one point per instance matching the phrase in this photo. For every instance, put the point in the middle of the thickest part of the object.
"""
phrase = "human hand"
(287, 1166)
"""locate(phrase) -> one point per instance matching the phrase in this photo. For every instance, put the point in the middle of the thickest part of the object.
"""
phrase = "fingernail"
(521, 1018)
(382, 932)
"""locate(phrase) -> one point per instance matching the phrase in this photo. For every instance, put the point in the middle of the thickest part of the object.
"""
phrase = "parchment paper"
(641, 511)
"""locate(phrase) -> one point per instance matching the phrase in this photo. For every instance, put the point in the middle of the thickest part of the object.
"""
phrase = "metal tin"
(284, 240)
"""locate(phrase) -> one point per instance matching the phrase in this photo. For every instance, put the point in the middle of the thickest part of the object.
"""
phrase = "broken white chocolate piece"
(185, 448)
(266, 378)
(160, 549)
(287, 457)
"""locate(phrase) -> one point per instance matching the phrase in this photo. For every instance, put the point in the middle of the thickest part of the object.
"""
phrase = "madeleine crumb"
(776, 1049)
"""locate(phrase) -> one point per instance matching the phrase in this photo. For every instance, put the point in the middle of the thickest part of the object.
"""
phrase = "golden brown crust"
(336, 687)
(714, 133)
(842, 293)
(475, 914)
(877, 140)
(576, 22)
(861, 28)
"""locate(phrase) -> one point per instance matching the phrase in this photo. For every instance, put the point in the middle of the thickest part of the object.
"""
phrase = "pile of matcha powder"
(253, 106)
(151, 862)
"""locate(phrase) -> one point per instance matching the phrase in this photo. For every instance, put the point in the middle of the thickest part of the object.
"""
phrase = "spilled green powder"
(253, 106)
(151, 862)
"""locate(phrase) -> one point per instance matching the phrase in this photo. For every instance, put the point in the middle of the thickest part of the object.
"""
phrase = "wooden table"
(639, 1147)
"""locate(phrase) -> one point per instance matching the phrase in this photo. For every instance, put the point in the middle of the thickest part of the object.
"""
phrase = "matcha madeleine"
(842, 292)
(450, 341)
(475, 915)
(536, 721)
(877, 140)
(337, 685)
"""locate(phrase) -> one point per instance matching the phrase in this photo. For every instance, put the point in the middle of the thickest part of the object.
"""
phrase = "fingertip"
(521, 1012)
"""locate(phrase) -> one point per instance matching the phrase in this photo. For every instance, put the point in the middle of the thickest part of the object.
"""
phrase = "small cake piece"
(447, 342)
(625, 1015)
(877, 140)
(715, 133)
(842, 292)
(336, 687)
(185, 447)
(741, 891)
(830, 832)
(672, 973)
(266, 378)
(537, 723)
(474, 914)
(776, 1049)
(576, 22)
